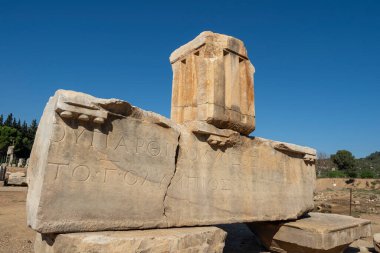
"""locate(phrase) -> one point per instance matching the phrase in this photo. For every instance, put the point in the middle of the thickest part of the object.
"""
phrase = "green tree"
(24, 128)
(32, 129)
(14, 123)
(9, 136)
(367, 173)
(9, 120)
(374, 156)
(1, 119)
(12, 132)
(336, 174)
(344, 160)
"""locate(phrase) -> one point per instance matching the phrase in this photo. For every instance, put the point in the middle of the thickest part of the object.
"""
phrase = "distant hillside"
(368, 167)
(369, 163)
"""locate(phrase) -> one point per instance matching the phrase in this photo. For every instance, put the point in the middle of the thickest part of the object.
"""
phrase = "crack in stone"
(170, 181)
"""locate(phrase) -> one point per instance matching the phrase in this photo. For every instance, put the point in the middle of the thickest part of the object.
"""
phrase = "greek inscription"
(81, 173)
(165, 178)
(225, 184)
(186, 182)
(139, 145)
(145, 177)
(58, 167)
(59, 133)
(99, 140)
(130, 177)
(78, 135)
(213, 184)
(121, 143)
(154, 148)
(106, 172)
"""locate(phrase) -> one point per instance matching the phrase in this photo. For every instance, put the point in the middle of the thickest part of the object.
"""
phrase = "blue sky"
(317, 80)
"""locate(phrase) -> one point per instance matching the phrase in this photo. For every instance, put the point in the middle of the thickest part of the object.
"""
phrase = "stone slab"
(124, 168)
(317, 232)
(16, 178)
(249, 180)
(195, 239)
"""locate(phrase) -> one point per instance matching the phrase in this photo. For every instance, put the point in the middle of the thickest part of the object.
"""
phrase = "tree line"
(344, 164)
(19, 134)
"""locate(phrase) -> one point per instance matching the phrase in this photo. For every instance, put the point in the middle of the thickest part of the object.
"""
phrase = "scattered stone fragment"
(16, 178)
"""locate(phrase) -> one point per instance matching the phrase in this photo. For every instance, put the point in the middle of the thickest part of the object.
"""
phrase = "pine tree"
(24, 128)
(9, 120)
(1, 119)
(32, 129)
(14, 123)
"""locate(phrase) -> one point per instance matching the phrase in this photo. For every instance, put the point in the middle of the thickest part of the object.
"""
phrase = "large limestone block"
(244, 179)
(213, 82)
(318, 232)
(87, 176)
(101, 164)
(175, 240)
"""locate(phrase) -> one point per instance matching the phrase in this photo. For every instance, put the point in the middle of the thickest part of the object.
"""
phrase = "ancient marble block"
(88, 174)
(112, 166)
(317, 232)
(243, 179)
(16, 178)
(175, 240)
(213, 82)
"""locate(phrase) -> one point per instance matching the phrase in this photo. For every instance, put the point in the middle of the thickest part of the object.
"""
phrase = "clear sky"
(317, 80)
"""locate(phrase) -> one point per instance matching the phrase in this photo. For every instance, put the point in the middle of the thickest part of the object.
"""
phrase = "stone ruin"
(10, 155)
(106, 176)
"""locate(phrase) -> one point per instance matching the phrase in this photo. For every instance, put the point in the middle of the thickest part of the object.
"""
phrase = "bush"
(336, 174)
(366, 173)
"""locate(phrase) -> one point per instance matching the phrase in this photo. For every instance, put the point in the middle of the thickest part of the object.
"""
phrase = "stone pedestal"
(117, 167)
(316, 233)
(213, 82)
(175, 240)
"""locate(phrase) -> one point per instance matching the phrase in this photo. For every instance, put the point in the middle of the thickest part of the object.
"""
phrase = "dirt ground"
(16, 237)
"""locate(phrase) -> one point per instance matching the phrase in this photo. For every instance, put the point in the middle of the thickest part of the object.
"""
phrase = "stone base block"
(194, 239)
(376, 242)
(318, 232)
(91, 154)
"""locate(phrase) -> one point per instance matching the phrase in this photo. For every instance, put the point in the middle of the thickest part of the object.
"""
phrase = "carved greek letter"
(81, 173)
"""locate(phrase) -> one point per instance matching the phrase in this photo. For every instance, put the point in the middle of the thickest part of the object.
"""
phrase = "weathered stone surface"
(133, 169)
(376, 242)
(249, 180)
(87, 176)
(180, 240)
(318, 232)
(213, 82)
